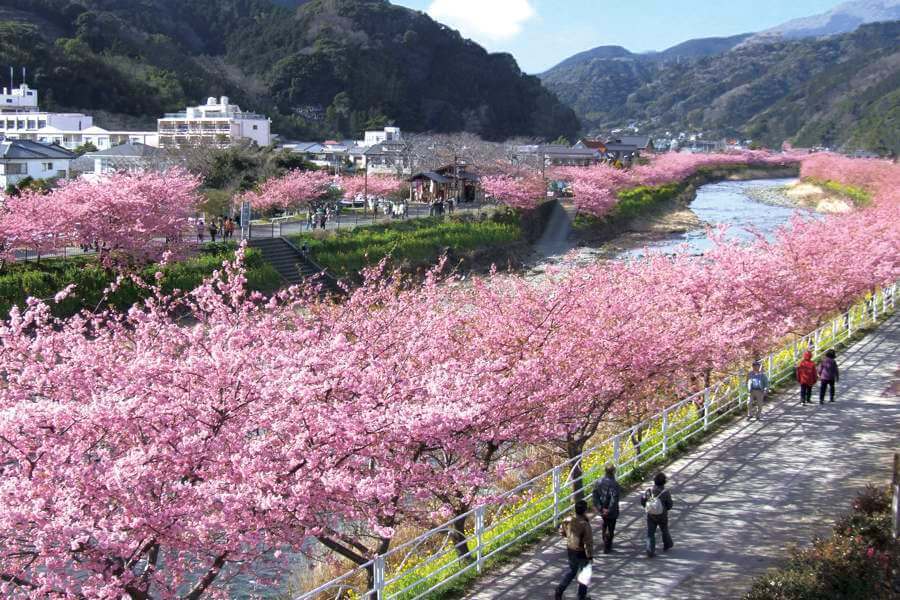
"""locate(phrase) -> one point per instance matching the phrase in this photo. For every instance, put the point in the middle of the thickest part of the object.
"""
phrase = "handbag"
(584, 575)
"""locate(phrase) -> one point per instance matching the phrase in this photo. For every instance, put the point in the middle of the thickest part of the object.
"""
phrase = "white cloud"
(489, 20)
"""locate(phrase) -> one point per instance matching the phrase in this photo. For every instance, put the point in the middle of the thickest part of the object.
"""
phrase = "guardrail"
(425, 566)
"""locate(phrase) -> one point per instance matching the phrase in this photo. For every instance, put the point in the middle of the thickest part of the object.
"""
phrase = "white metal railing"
(422, 567)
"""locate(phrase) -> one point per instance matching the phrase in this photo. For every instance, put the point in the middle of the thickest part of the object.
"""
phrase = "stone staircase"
(293, 266)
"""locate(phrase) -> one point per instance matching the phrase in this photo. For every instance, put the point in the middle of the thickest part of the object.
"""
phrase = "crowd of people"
(657, 500)
(218, 228)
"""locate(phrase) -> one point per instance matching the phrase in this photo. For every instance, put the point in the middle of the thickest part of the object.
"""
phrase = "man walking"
(657, 502)
(828, 374)
(806, 377)
(579, 547)
(757, 384)
(606, 501)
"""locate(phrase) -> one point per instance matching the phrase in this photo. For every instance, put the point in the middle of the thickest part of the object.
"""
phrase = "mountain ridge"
(320, 68)
(839, 91)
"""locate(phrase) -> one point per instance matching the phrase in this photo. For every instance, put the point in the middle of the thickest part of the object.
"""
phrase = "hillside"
(840, 91)
(318, 67)
(844, 18)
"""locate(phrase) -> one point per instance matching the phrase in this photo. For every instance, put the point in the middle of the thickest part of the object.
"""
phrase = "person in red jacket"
(806, 377)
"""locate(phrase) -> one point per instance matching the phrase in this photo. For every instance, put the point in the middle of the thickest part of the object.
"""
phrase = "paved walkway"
(746, 495)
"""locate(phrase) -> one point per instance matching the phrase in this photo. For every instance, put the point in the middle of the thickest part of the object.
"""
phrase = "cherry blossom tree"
(522, 189)
(129, 216)
(152, 456)
(295, 189)
(374, 185)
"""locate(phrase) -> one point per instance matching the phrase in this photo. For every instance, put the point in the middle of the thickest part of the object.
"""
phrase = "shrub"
(854, 563)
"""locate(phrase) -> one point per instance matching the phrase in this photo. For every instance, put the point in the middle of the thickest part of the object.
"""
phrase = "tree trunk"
(574, 449)
(458, 535)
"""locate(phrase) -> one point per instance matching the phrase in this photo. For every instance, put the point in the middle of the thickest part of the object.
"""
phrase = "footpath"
(746, 495)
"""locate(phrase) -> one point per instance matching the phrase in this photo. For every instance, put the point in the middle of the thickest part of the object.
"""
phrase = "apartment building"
(216, 123)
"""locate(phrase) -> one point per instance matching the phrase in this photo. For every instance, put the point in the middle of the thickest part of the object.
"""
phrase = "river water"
(741, 205)
(758, 205)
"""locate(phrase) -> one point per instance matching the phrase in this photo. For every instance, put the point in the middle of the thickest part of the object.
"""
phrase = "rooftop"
(26, 149)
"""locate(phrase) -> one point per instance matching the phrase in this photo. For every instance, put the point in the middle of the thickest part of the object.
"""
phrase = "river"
(744, 206)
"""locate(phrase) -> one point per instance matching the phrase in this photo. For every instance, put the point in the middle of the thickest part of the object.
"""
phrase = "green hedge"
(415, 242)
(45, 279)
(855, 563)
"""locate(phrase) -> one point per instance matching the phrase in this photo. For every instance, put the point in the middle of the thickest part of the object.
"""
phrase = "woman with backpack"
(828, 375)
(657, 502)
(806, 377)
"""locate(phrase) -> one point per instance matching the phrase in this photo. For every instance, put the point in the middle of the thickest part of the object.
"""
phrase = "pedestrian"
(657, 502)
(580, 549)
(606, 501)
(806, 377)
(309, 219)
(213, 230)
(757, 384)
(201, 226)
(828, 375)
(229, 228)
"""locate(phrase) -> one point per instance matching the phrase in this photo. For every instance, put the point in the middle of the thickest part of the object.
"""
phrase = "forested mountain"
(840, 91)
(318, 67)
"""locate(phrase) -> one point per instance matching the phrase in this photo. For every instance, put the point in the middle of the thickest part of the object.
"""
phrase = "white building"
(126, 157)
(23, 158)
(216, 123)
(20, 98)
(22, 119)
(102, 139)
(388, 134)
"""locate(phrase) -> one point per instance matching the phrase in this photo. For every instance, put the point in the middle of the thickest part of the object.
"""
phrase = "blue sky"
(541, 33)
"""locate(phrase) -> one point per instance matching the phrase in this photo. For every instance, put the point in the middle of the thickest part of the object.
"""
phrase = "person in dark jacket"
(606, 501)
(806, 377)
(658, 520)
(828, 375)
(579, 547)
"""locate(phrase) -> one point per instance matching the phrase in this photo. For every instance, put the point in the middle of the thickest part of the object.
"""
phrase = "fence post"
(875, 307)
(706, 408)
(665, 432)
(378, 579)
(617, 450)
(895, 487)
(556, 489)
(479, 536)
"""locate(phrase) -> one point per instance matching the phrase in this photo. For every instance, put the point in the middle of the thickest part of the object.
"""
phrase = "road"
(746, 495)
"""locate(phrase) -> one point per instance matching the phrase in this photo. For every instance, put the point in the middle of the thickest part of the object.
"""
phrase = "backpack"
(826, 370)
(654, 505)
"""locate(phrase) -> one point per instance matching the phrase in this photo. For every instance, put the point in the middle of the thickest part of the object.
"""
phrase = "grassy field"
(21, 280)
(416, 242)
